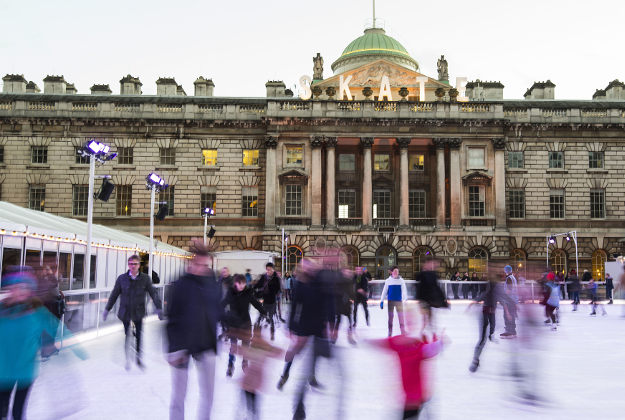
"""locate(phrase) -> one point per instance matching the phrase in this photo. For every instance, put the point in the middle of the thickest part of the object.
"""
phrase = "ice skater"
(361, 284)
(574, 288)
(343, 298)
(396, 293)
(429, 294)
(511, 289)
(268, 287)
(551, 300)
(594, 300)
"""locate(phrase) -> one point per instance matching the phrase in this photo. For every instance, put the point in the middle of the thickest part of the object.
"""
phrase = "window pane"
(123, 204)
(1, 154)
(556, 204)
(347, 162)
(347, 203)
(249, 201)
(167, 155)
(595, 160)
(125, 155)
(476, 157)
(381, 204)
(37, 197)
(294, 155)
(516, 160)
(168, 196)
(476, 201)
(39, 154)
(80, 159)
(250, 157)
(416, 204)
(597, 204)
(208, 199)
(416, 162)
(293, 200)
(80, 200)
(556, 160)
(209, 157)
(517, 203)
(381, 162)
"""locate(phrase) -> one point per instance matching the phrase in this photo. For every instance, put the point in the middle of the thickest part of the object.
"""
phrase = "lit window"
(37, 197)
(209, 157)
(476, 201)
(249, 201)
(347, 162)
(478, 261)
(294, 155)
(556, 160)
(599, 257)
(416, 162)
(381, 162)
(476, 158)
(123, 202)
(250, 157)
(347, 203)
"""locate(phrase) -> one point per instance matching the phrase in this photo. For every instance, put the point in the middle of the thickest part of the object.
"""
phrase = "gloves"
(104, 315)
(159, 312)
(381, 304)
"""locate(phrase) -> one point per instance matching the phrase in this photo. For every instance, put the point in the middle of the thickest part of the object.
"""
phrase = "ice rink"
(579, 370)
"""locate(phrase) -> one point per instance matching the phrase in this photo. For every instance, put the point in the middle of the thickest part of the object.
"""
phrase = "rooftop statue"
(443, 73)
(318, 67)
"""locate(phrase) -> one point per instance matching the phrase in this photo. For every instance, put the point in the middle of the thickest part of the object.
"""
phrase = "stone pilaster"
(440, 181)
(367, 182)
(455, 190)
(330, 181)
(271, 142)
(499, 144)
(404, 221)
(316, 142)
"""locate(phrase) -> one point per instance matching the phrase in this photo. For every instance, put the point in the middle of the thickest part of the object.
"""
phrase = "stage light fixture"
(154, 181)
(162, 212)
(568, 237)
(105, 190)
(209, 211)
(552, 240)
(98, 150)
(211, 232)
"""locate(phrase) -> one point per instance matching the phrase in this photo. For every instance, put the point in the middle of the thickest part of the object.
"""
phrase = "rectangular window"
(209, 157)
(517, 203)
(556, 204)
(37, 197)
(416, 204)
(293, 199)
(516, 160)
(416, 162)
(477, 157)
(250, 157)
(80, 159)
(1, 154)
(167, 155)
(381, 162)
(39, 154)
(347, 203)
(597, 204)
(80, 199)
(294, 155)
(595, 160)
(167, 196)
(125, 155)
(123, 202)
(476, 201)
(347, 162)
(249, 202)
(208, 198)
(382, 204)
(556, 160)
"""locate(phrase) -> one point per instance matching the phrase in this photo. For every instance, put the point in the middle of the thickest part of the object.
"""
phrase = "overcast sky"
(242, 44)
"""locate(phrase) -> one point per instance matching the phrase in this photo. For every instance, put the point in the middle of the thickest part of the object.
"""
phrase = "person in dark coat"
(609, 287)
(237, 318)
(131, 288)
(454, 286)
(361, 286)
(268, 287)
(343, 298)
(574, 288)
(193, 309)
(429, 293)
(465, 286)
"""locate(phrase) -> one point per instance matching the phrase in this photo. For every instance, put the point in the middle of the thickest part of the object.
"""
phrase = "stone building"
(399, 170)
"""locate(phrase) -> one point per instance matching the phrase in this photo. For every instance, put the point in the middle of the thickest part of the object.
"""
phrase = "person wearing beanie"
(551, 299)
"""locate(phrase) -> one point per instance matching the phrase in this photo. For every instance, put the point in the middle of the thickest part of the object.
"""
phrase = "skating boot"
(314, 384)
(140, 364)
(283, 379)
(593, 313)
(492, 338)
(244, 365)
(230, 370)
(507, 335)
(474, 365)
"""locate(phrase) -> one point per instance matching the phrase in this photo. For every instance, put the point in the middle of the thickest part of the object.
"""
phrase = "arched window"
(519, 261)
(349, 257)
(478, 261)
(557, 261)
(294, 255)
(599, 258)
(420, 256)
(385, 258)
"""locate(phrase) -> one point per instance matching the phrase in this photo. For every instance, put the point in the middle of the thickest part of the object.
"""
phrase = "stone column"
(404, 221)
(440, 181)
(316, 143)
(499, 144)
(455, 182)
(271, 142)
(367, 182)
(330, 182)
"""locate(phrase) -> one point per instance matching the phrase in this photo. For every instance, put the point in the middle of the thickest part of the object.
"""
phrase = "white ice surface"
(580, 371)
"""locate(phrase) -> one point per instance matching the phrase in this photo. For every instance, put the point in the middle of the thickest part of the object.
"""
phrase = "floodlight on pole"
(206, 213)
(154, 183)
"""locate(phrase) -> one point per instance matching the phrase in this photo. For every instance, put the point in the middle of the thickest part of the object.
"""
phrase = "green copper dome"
(371, 46)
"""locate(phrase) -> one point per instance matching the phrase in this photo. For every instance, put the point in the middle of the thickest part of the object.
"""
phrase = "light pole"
(206, 213)
(155, 184)
(100, 152)
(569, 236)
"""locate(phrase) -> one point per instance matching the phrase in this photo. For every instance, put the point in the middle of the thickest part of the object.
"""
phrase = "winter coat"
(238, 304)
(269, 288)
(132, 296)
(193, 309)
(494, 294)
(312, 305)
(428, 290)
(575, 284)
(361, 282)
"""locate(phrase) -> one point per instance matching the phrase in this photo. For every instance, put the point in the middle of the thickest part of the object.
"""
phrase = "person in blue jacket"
(23, 319)
(396, 293)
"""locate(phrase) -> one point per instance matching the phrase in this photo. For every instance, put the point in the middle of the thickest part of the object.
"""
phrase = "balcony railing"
(293, 221)
(354, 222)
(478, 222)
(385, 222)
(422, 221)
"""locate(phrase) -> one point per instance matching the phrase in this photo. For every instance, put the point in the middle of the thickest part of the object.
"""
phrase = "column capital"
(499, 143)
(439, 142)
(403, 142)
(331, 141)
(454, 143)
(316, 141)
(366, 142)
(271, 142)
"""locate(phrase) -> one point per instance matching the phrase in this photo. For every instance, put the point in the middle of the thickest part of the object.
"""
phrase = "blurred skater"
(343, 298)
(574, 288)
(609, 288)
(396, 293)
(511, 289)
(594, 300)
(361, 284)
(465, 285)
(268, 286)
(429, 294)
(551, 300)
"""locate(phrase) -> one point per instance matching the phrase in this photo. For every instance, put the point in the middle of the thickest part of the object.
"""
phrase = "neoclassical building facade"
(395, 169)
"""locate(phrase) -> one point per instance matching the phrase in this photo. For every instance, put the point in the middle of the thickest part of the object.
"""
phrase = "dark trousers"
(251, 403)
(510, 319)
(549, 312)
(454, 289)
(608, 293)
(270, 308)
(411, 413)
(360, 300)
(19, 402)
(576, 297)
(138, 328)
(488, 318)
(465, 291)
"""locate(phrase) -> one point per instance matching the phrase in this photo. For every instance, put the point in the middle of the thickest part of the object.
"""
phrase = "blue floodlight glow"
(209, 211)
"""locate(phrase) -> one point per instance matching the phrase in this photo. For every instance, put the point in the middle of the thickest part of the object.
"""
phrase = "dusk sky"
(243, 44)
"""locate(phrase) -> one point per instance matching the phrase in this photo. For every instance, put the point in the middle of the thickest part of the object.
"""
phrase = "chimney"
(541, 90)
(180, 91)
(275, 89)
(166, 86)
(204, 87)
(70, 89)
(100, 90)
(130, 86)
(54, 84)
(615, 90)
(484, 91)
(31, 87)
(14, 83)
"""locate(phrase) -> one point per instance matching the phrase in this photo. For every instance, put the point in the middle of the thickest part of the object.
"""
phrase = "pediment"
(293, 176)
(477, 178)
